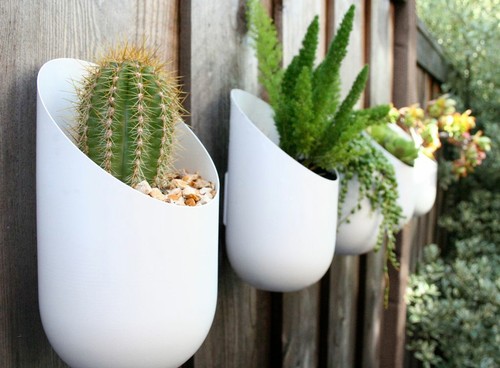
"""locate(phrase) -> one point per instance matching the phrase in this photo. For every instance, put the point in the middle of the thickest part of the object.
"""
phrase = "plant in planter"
(441, 125)
(128, 106)
(402, 148)
(123, 279)
(314, 126)
(370, 196)
(308, 121)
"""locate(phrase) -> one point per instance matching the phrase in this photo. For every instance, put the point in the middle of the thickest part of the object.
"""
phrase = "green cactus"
(127, 108)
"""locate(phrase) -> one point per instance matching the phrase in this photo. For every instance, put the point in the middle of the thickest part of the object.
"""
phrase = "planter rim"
(280, 235)
(180, 126)
(123, 280)
(234, 93)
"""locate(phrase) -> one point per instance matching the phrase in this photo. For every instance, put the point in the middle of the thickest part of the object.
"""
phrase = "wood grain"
(405, 54)
(380, 44)
(404, 94)
(214, 58)
(32, 33)
(344, 274)
(355, 58)
(379, 28)
(342, 319)
(295, 18)
(301, 328)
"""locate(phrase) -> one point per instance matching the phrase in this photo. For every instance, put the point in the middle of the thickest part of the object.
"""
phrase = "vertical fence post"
(404, 93)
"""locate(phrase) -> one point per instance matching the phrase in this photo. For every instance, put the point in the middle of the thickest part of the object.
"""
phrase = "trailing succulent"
(377, 183)
(315, 126)
(128, 105)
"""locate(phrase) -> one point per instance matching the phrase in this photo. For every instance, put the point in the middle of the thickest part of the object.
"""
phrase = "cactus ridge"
(127, 109)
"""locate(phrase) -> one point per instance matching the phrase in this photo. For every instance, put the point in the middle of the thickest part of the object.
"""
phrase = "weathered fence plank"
(404, 94)
(300, 334)
(32, 33)
(342, 317)
(344, 281)
(295, 17)
(380, 48)
(301, 325)
(214, 59)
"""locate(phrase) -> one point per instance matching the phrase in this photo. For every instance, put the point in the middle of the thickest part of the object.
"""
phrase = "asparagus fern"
(315, 126)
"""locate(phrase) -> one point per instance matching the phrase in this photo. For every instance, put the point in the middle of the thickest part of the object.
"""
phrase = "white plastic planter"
(359, 235)
(125, 280)
(280, 217)
(426, 170)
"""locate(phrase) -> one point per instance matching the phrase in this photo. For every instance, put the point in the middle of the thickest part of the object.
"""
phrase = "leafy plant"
(127, 109)
(400, 147)
(441, 125)
(469, 36)
(453, 306)
(315, 126)
(478, 214)
(454, 298)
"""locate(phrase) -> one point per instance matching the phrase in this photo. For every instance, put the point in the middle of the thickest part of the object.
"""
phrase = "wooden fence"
(338, 322)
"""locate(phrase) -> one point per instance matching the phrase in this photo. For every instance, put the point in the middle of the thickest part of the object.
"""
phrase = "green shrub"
(478, 215)
(453, 307)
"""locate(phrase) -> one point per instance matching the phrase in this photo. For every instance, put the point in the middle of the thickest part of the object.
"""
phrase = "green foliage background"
(469, 33)
(454, 298)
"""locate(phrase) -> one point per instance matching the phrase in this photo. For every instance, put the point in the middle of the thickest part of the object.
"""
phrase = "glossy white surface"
(280, 217)
(125, 280)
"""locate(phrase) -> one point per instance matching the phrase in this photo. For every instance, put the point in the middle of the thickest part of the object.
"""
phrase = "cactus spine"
(128, 105)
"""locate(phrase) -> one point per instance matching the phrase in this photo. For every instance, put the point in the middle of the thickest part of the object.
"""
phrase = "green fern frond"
(269, 50)
(289, 115)
(326, 76)
(305, 58)
(305, 133)
(343, 118)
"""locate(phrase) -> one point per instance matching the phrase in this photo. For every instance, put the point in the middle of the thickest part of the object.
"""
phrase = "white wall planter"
(280, 217)
(125, 281)
(426, 171)
(359, 235)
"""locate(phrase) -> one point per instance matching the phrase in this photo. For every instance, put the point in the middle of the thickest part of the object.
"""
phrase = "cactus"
(127, 108)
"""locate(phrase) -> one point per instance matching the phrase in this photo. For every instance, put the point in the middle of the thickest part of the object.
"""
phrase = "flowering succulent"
(441, 124)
